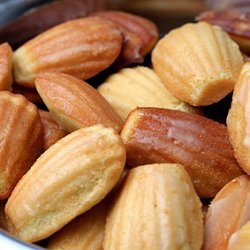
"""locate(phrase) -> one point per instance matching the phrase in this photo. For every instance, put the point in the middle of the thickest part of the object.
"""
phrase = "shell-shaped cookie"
(199, 63)
(200, 144)
(140, 35)
(233, 21)
(228, 212)
(21, 140)
(84, 232)
(82, 47)
(156, 208)
(139, 87)
(72, 176)
(75, 104)
(238, 120)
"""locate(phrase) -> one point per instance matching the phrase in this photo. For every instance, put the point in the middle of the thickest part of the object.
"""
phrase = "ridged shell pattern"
(198, 143)
(139, 34)
(75, 104)
(156, 208)
(85, 232)
(139, 87)
(71, 176)
(198, 63)
(21, 136)
(82, 47)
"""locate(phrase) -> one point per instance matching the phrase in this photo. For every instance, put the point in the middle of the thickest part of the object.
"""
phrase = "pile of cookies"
(133, 163)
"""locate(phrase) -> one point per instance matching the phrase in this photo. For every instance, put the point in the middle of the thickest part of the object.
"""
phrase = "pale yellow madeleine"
(72, 176)
(130, 88)
(156, 208)
(228, 212)
(240, 240)
(238, 120)
(75, 104)
(82, 47)
(6, 58)
(84, 232)
(198, 63)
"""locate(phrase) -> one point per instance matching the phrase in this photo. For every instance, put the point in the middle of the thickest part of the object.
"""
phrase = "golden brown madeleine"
(84, 232)
(130, 88)
(21, 136)
(140, 35)
(201, 145)
(6, 58)
(72, 176)
(75, 104)
(51, 129)
(240, 239)
(156, 208)
(238, 122)
(233, 21)
(228, 212)
(198, 63)
(43, 17)
(82, 47)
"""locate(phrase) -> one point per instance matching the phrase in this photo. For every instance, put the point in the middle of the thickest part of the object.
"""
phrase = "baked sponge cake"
(238, 120)
(198, 63)
(130, 88)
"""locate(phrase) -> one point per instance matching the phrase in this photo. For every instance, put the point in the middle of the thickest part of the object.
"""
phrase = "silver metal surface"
(8, 242)
(10, 9)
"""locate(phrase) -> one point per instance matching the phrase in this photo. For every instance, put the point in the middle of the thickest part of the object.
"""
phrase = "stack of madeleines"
(133, 163)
